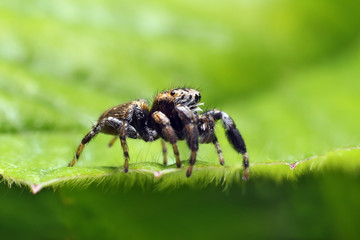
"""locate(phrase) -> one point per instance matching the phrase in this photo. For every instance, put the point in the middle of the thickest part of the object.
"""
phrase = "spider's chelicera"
(173, 116)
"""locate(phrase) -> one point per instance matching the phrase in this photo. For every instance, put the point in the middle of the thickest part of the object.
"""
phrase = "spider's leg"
(191, 133)
(233, 136)
(168, 133)
(112, 141)
(87, 139)
(122, 136)
(207, 134)
(164, 150)
(131, 132)
(219, 151)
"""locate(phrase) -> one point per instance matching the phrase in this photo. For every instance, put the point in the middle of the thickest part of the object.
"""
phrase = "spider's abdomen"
(118, 112)
(121, 113)
(124, 111)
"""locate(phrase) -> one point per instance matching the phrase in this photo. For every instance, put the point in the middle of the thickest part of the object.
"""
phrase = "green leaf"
(46, 166)
(294, 106)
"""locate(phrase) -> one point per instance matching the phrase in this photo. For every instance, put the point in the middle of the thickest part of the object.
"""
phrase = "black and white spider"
(173, 116)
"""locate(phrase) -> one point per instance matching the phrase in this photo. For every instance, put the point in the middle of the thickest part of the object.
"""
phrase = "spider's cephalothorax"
(172, 117)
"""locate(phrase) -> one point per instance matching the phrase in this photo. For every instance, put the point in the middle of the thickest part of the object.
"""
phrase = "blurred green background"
(286, 71)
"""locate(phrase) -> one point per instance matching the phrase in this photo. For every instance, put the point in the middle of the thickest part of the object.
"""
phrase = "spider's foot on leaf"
(72, 163)
(246, 166)
(189, 171)
(245, 176)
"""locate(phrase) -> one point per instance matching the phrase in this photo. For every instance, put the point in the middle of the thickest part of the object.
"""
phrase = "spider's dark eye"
(197, 97)
(172, 93)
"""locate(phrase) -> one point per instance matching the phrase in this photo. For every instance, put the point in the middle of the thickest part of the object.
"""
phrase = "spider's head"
(187, 97)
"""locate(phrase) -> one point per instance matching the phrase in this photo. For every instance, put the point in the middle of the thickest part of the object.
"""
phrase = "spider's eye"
(197, 97)
(172, 93)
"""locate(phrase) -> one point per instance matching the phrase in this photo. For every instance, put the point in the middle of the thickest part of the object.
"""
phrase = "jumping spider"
(173, 116)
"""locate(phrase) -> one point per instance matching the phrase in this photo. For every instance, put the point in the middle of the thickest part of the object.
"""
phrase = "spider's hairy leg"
(233, 136)
(191, 133)
(168, 133)
(131, 131)
(206, 125)
(164, 150)
(96, 129)
(122, 136)
(219, 151)
(112, 141)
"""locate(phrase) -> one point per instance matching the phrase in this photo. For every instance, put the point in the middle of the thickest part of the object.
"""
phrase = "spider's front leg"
(168, 133)
(191, 133)
(233, 135)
